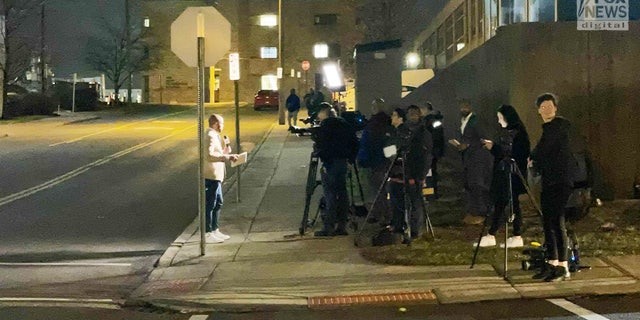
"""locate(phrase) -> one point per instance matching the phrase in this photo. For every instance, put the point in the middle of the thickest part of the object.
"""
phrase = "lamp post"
(281, 66)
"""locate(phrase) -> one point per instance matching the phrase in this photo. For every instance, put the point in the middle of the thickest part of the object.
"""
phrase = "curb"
(81, 120)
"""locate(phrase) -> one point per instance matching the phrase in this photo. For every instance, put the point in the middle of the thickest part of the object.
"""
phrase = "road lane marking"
(113, 129)
(62, 264)
(199, 317)
(576, 309)
(74, 173)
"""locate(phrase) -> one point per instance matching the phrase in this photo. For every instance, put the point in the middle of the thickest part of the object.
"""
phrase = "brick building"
(328, 25)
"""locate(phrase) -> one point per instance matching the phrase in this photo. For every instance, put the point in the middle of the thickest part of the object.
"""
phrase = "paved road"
(600, 308)
(86, 209)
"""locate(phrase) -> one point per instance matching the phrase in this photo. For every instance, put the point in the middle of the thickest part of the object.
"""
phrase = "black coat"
(511, 143)
(552, 156)
(416, 143)
(336, 139)
(477, 161)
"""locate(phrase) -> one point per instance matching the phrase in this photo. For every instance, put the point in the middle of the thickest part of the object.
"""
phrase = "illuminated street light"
(412, 60)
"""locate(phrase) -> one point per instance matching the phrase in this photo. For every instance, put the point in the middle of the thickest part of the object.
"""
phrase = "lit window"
(269, 82)
(321, 50)
(268, 20)
(147, 22)
(268, 52)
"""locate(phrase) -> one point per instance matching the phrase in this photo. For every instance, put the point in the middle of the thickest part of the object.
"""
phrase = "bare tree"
(14, 51)
(120, 52)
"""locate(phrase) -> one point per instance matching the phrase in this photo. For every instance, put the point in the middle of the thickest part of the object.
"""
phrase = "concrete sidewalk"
(261, 268)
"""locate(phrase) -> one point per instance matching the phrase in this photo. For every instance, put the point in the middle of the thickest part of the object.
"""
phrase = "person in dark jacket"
(552, 159)
(478, 166)
(336, 145)
(434, 123)
(371, 158)
(293, 106)
(408, 172)
(511, 144)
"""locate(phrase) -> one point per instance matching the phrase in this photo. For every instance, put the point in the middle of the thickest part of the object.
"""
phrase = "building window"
(542, 11)
(147, 22)
(335, 50)
(460, 34)
(513, 11)
(269, 82)
(491, 18)
(268, 52)
(268, 20)
(321, 50)
(325, 19)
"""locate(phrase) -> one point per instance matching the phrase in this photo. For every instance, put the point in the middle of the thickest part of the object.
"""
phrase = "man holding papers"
(214, 170)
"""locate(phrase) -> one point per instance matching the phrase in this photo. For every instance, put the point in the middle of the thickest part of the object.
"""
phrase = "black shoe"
(544, 272)
(557, 273)
(323, 233)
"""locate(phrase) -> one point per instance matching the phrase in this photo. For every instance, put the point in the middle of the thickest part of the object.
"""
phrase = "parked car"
(266, 99)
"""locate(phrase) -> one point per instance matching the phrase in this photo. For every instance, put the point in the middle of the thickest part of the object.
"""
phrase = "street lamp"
(412, 60)
(280, 67)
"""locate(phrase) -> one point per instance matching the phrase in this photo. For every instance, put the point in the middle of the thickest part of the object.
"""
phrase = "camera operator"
(336, 143)
(414, 144)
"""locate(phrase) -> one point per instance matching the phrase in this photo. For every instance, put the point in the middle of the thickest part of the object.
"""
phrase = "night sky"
(69, 25)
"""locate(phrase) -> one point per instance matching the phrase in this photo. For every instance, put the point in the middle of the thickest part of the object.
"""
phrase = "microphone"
(227, 142)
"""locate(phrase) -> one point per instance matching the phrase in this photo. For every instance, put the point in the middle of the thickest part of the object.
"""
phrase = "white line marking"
(576, 309)
(74, 173)
(20, 299)
(63, 264)
(113, 129)
(199, 317)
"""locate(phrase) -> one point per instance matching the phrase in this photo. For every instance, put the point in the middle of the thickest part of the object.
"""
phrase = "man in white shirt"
(478, 166)
(214, 170)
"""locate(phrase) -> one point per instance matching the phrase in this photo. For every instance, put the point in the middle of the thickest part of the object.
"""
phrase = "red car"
(266, 99)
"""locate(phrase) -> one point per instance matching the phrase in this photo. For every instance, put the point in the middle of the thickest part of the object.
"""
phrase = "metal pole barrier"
(235, 86)
(201, 191)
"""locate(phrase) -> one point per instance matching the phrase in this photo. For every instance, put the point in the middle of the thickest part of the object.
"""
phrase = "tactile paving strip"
(369, 299)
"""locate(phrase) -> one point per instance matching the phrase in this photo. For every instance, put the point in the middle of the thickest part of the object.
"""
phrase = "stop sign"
(306, 65)
(184, 35)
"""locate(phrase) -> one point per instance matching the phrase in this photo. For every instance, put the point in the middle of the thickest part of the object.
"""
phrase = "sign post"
(234, 74)
(188, 43)
(305, 66)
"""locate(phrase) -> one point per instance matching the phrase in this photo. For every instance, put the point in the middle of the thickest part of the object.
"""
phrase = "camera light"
(437, 123)
(333, 75)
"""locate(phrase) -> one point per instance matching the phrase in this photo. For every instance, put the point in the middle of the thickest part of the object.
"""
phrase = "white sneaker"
(220, 235)
(513, 242)
(486, 241)
(211, 238)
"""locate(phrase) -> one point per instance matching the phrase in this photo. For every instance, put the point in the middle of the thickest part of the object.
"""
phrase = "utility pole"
(127, 34)
(281, 115)
(43, 71)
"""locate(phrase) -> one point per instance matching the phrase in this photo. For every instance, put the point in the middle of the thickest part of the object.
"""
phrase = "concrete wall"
(594, 73)
(379, 78)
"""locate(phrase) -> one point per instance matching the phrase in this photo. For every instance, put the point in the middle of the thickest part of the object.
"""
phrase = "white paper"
(242, 158)
(390, 151)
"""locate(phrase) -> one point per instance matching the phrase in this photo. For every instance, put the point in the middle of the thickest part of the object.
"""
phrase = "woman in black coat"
(512, 142)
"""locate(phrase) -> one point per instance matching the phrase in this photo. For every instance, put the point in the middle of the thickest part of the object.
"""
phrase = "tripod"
(312, 184)
(407, 203)
(511, 168)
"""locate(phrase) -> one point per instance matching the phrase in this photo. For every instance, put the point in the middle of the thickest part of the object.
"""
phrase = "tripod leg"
(475, 253)
(427, 220)
(375, 199)
(310, 188)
